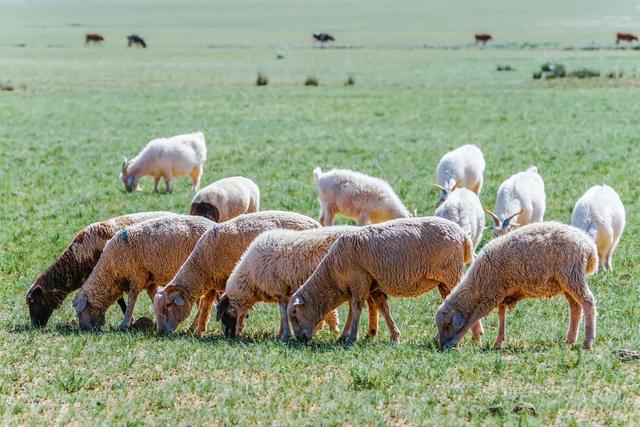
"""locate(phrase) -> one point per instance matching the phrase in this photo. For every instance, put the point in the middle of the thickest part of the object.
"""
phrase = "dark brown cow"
(135, 40)
(625, 37)
(323, 37)
(96, 38)
(483, 37)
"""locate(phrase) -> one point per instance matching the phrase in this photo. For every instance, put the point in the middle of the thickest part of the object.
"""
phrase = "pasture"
(76, 111)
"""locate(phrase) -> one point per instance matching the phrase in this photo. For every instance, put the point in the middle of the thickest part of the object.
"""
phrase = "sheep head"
(89, 318)
(304, 319)
(39, 309)
(450, 322)
(231, 315)
(171, 307)
(444, 191)
(130, 181)
(503, 227)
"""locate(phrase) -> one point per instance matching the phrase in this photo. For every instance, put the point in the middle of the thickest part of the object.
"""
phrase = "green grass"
(77, 111)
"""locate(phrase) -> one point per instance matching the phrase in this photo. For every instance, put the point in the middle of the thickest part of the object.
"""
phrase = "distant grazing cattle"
(625, 37)
(136, 40)
(96, 38)
(483, 37)
(323, 37)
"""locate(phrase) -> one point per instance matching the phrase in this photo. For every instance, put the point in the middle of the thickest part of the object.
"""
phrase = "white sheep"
(362, 197)
(464, 208)
(226, 198)
(600, 214)
(273, 267)
(464, 164)
(166, 158)
(521, 197)
(535, 261)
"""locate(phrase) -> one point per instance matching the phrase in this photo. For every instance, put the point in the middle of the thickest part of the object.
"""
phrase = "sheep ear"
(37, 290)
(80, 303)
(222, 307)
(124, 165)
(298, 301)
(176, 298)
(457, 320)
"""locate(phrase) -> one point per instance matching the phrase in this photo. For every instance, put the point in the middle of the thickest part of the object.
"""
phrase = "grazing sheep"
(361, 197)
(403, 258)
(205, 273)
(73, 266)
(139, 257)
(536, 261)
(226, 198)
(166, 158)
(600, 214)
(521, 196)
(272, 268)
(464, 208)
(464, 164)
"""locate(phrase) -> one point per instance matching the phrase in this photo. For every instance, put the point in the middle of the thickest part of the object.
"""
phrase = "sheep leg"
(356, 309)
(284, 320)
(328, 216)
(478, 187)
(502, 316)
(383, 305)
(575, 316)
(347, 326)
(196, 175)
(205, 311)
(477, 331)
(132, 296)
(363, 219)
(194, 323)
(156, 180)
(608, 263)
(167, 183)
(373, 318)
(581, 293)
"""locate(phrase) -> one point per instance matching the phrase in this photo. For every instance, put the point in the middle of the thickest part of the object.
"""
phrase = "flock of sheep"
(230, 252)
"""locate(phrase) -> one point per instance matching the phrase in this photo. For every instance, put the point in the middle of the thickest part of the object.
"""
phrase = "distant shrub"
(262, 80)
(505, 68)
(279, 56)
(6, 86)
(311, 81)
(584, 73)
(537, 75)
(350, 81)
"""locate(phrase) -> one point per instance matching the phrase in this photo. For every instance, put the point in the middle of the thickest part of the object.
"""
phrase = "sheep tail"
(317, 173)
(592, 262)
(468, 249)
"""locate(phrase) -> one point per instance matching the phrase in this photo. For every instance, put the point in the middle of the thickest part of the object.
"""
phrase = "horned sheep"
(139, 257)
(226, 198)
(205, 272)
(464, 165)
(69, 271)
(353, 194)
(600, 214)
(464, 208)
(402, 258)
(166, 158)
(273, 267)
(521, 200)
(535, 261)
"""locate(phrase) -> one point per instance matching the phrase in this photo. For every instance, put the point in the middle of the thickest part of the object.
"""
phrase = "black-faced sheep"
(74, 265)
(204, 274)
(139, 257)
(226, 198)
(535, 261)
(403, 258)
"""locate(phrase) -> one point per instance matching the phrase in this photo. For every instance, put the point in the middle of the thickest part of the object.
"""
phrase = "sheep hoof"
(372, 333)
(588, 345)
(497, 345)
(123, 327)
(394, 340)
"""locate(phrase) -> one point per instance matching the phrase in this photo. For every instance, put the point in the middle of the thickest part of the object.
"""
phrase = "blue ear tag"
(505, 223)
(124, 235)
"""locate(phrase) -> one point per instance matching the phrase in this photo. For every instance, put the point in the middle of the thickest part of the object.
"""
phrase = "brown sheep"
(539, 260)
(73, 266)
(204, 274)
(403, 258)
(139, 257)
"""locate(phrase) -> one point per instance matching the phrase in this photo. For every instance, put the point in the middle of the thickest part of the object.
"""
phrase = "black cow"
(323, 37)
(135, 39)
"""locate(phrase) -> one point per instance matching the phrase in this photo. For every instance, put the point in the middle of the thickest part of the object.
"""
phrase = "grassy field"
(77, 110)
